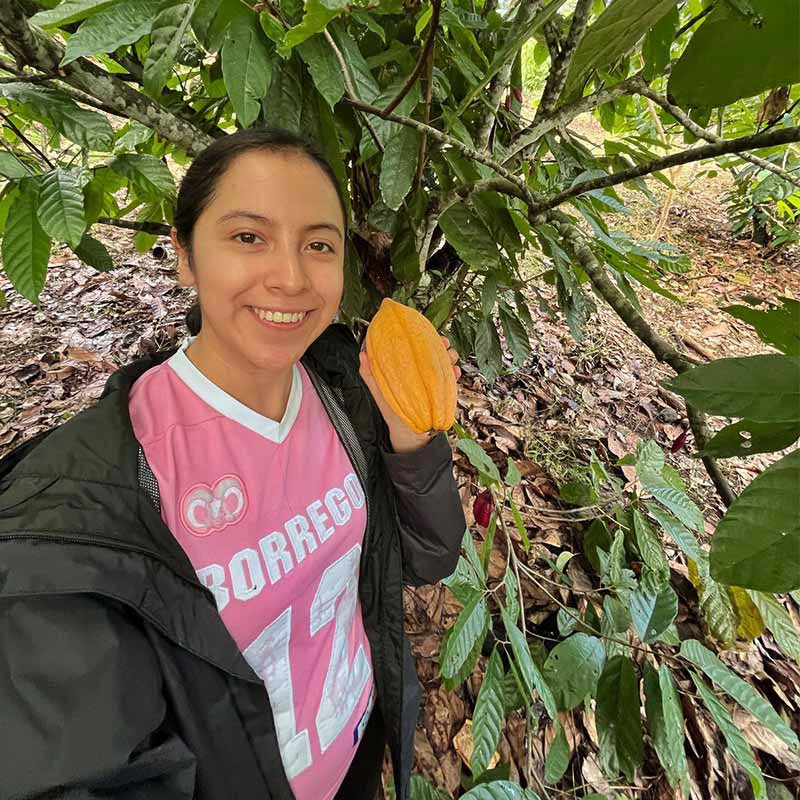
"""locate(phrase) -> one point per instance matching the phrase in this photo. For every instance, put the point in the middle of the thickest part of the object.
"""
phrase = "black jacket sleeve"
(81, 706)
(432, 520)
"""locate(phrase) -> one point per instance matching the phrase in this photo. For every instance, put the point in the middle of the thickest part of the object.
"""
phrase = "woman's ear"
(185, 274)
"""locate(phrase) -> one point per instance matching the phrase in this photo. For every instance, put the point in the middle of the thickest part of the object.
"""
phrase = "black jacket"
(118, 678)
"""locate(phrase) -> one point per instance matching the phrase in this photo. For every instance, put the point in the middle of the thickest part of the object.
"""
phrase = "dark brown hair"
(201, 179)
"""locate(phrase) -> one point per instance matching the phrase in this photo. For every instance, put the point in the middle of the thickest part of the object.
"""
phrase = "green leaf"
(488, 350)
(757, 542)
(617, 614)
(762, 388)
(665, 719)
(148, 175)
(682, 537)
(283, 105)
(367, 87)
(649, 458)
(94, 253)
(246, 68)
(572, 669)
(715, 602)
(112, 27)
(779, 327)
(61, 207)
(676, 500)
(499, 790)
(464, 638)
(25, 247)
(404, 254)
(520, 525)
(168, 31)
(653, 610)
(611, 36)
(619, 722)
(479, 458)
(469, 235)
(658, 42)
(69, 11)
(489, 717)
(619, 576)
(729, 58)
(513, 476)
(516, 336)
(650, 547)
(746, 438)
(779, 623)
(324, 68)
(12, 168)
(529, 673)
(439, 310)
(737, 744)
(212, 18)
(421, 789)
(399, 166)
(557, 760)
(741, 691)
(318, 13)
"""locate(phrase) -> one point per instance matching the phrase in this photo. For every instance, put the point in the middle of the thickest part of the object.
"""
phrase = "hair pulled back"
(201, 179)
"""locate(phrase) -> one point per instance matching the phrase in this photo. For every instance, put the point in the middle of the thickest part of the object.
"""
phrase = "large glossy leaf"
(283, 105)
(324, 68)
(573, 668)
(653, 610)
(610, 37)
(762, 388)
(212, 18)
(619, 721)
(516, 336)
(665, 720)
(757, 542)
(749, 623)
(469, 629)
(557, 760)
(404, 253)
(80, 125)
(399, 166)
(318, 13)
(489, 717)
(367, 87)
(112, 27)
(737, 744)
(12, 168)
(421, 789)
(488, 349)
(26, 247)
(70, 11)
(246, 68)
(658, 43)
(780, 624)
(715, 601)
(61, 207)
(746, 438)
(741, 691)
(470, 237)
(94, 253)
(168, 31)
(148, 175)
(777, 326)
(529, 673)
(729, 58)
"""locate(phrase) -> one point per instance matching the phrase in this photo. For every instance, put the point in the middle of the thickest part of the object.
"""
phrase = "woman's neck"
(264, 391)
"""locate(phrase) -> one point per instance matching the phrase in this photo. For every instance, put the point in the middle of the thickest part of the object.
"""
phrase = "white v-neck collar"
(229, 406)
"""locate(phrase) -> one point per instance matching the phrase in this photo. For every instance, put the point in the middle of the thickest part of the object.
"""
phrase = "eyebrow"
(267, 221)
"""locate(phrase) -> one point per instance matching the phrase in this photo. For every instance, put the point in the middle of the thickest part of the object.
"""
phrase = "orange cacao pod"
(411, 367)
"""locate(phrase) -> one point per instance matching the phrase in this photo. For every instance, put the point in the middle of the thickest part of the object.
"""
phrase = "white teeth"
(279, 316)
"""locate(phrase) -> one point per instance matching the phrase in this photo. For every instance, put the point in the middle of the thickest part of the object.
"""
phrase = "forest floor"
(569, 399)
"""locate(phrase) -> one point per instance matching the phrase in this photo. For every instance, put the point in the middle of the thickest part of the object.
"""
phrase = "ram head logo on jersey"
(205, 510)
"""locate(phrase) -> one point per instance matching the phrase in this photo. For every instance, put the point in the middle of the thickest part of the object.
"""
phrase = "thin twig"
(27, 141)
(420, 65)
(157, 228)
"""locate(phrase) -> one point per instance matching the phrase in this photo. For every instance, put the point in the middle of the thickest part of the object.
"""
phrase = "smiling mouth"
(280, 317)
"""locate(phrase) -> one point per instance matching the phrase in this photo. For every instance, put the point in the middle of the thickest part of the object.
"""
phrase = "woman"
(201, 580)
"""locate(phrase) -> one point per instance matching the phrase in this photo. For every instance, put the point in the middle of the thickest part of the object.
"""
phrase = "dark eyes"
(248, 237)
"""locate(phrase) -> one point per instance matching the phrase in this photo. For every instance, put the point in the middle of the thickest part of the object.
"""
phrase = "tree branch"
(158, 228)
(531, 135)
(31, 47)
(703, 133)
(782, 136)
(412, 78)
(659, 346)
(560, 66)
(26, 140)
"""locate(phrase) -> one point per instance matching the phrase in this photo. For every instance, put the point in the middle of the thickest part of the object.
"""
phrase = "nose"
(285, 271)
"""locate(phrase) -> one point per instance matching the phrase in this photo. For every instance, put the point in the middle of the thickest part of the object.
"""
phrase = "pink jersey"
(272, 516)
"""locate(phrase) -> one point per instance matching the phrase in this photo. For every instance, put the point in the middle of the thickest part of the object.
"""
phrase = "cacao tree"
(456, 171)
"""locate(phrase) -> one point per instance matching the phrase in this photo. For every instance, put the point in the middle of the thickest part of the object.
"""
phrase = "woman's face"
(267, 259)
